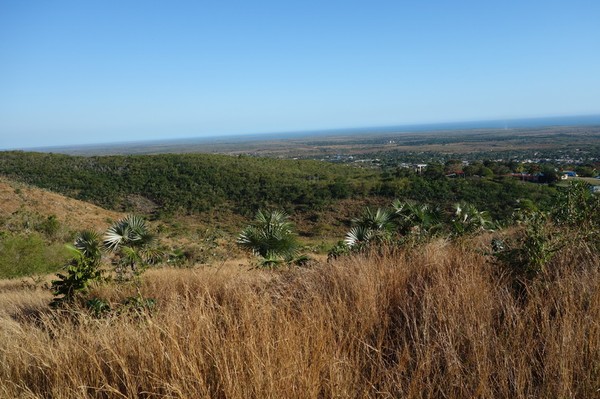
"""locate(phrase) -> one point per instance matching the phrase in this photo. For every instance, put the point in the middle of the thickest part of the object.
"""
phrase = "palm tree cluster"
(129, 240)
(371, 226)
(415, 221)
(271, 235)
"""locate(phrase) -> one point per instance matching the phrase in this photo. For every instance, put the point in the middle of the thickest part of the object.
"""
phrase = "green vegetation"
(413, 302)
(133, 244)
(427, 204)
(371, 227)
(410, 222)
(193, 183)
(530, 249)
(188, 183)
(572, 221)
(468, 220)
(29, 254)
(130, 243)
(271, 237)
(83, 269)
(31, 244)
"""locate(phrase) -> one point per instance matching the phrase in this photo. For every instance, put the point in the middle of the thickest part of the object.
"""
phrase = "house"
(419, 167)
(567, 173)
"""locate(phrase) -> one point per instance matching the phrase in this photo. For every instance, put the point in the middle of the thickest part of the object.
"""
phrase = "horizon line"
(526, 122)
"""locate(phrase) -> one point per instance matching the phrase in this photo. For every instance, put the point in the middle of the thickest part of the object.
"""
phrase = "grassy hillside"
(35, 224)
(419, 307)
(25, 199)
(438, 321)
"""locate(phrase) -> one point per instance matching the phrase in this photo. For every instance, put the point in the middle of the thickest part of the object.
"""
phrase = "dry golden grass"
(76, 214)
(437, 322)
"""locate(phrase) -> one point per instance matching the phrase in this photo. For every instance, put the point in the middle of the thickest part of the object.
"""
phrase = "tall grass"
(441, 321)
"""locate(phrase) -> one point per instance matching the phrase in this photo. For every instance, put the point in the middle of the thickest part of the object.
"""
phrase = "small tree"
(576, 206)
(532, 249)
(578, 209)
(81, 270)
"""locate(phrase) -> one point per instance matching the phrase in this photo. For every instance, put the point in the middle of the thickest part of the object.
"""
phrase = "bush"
(527, 255)
(81, 270)
(24, 255)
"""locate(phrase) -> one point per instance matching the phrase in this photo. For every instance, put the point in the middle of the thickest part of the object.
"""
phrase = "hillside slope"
(75, 214)
(192, 184)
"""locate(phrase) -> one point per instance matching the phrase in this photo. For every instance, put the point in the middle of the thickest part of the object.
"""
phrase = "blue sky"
(75, 72)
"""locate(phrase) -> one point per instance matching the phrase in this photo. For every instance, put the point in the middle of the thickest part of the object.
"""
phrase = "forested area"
(192, 183)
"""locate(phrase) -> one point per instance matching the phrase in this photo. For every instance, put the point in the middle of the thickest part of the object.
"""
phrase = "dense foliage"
(194, 183)
(187, 182)
(29, 254)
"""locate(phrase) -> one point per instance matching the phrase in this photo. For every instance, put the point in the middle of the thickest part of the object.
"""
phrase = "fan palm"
(372, 226)
(131, 231)
(133, 241)
(271, 236)
(416, 218)
(88, 245)
(467, 219)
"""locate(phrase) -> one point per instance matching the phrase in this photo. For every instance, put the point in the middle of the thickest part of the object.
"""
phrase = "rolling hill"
(75, 214)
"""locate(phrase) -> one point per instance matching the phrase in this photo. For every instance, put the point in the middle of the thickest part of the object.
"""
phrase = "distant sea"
(592, 120)
(589, 120)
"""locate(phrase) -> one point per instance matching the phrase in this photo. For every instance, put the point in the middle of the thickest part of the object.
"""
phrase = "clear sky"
(85, 71)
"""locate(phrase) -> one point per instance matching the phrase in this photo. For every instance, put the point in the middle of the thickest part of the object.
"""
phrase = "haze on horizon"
(76, 72)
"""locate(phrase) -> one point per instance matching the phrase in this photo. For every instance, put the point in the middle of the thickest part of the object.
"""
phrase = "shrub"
(527, 254)
(82, 270)
(24, 255)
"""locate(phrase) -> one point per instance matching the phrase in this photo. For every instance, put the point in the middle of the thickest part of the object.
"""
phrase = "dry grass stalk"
(437, 322)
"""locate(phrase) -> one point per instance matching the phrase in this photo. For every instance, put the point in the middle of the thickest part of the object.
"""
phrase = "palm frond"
(358, 235)
(130, 255)
(270, 235)
(88, 244)
(151, 255)
(468, 219)
(131, 230)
